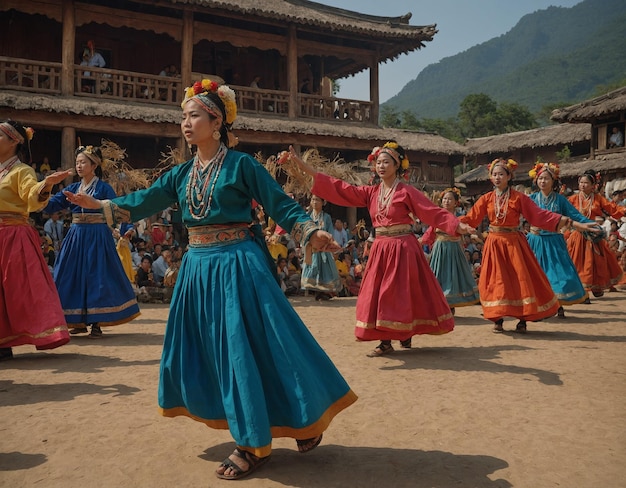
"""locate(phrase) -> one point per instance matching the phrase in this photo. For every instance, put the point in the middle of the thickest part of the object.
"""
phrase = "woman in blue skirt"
(88, 272)
(236, 355)
(321, 275)
(448, 261)
(549, 247)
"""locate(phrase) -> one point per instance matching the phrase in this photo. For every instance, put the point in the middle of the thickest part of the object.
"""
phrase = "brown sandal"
(381, 349)
(307, 445)
(254, 462)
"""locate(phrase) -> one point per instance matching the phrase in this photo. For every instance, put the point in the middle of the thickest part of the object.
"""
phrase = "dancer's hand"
(587, 227)
(57, 177)
(83, 200)
(295, 157)
(464, 228)
(322, 241)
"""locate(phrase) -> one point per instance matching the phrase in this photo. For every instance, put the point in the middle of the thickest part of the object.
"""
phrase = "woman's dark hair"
(20, 129)
(95, 150)
(591, 176)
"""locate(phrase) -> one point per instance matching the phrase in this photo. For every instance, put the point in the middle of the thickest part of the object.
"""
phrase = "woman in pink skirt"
(399, 296)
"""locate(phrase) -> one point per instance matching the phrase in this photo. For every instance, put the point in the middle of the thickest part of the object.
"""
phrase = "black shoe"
(520, 328)
(6, 353)
(96, 331)
(79, 330)
(406, 344)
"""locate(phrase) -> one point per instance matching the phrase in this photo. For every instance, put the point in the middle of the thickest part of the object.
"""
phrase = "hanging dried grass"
(173, 157)
(300, 183)
(117, 172)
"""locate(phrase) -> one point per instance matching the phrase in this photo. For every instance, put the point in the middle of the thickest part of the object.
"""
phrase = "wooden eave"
(58, 112)
(589, 110)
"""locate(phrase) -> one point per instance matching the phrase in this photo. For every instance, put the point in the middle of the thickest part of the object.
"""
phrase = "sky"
(462, 24)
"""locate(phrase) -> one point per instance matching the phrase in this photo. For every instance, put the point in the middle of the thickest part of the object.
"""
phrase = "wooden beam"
(374, 88)
(68, 145)
(68, 42)
(292, 71)
(186, 49)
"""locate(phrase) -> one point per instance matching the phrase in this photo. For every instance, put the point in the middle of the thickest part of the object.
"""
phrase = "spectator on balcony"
(306, 86)
(617, 138)
(255, 82)
(91, 57)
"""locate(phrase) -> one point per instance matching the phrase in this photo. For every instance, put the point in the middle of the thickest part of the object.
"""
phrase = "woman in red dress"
(399, 296)
(511, 283)
(30, 310)
(597, 266)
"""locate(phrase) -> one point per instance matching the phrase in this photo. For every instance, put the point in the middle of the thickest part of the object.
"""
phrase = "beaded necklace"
(585, 202)
(385, 197)
(6, 166)
(547, 202)
(199, 195)
(501, 204)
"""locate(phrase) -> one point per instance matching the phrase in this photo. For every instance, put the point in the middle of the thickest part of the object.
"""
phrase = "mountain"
(551, 56)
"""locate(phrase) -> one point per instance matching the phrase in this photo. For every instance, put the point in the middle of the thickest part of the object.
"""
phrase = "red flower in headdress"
(197, 87)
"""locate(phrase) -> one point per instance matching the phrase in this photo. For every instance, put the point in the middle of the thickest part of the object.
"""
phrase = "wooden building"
(601, 114)
(130, 101)
(525, 147)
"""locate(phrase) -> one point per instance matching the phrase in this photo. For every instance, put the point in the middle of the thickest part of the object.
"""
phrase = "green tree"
(389, 117)
(477, 115)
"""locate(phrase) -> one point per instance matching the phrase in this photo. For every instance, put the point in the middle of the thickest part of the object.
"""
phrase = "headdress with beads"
(541, 167)
(395, 151)
(509, 164)
(199, 91)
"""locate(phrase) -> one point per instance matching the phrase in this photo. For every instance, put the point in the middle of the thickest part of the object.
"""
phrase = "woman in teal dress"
(448, 262)
(549, 247)
(321, 276)
(236, 355)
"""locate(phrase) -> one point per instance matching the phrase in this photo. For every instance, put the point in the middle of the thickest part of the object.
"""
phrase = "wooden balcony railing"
(104, 83)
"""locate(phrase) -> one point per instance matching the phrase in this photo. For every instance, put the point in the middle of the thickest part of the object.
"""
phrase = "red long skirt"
(596, 264)
(30, 310)
(400, 296)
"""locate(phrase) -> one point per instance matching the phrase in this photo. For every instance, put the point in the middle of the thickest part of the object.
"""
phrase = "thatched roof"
(411, 141)
(553, 135)
(614, 163)
(588, 110)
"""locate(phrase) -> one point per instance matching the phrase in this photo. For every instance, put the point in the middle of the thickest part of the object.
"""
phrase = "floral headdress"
(10, 131)
(200, 89)
(391, 148)
(509, 164)
(454, 190)
(90, 152)
(540, 167)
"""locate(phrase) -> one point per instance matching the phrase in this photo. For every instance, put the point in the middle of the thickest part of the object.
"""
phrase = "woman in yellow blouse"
(30, 311)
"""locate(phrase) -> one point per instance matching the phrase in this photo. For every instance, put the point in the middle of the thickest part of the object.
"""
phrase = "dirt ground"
(468, 409)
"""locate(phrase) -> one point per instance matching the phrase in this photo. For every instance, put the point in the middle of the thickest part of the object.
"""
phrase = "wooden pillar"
(292, 71)
(186, 46)
(351, 217)
(374, 88)
(68, 145)
(68, 43)
(594, 140)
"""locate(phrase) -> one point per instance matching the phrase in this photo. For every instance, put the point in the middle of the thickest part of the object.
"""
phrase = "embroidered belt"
(535, 230)
(11, 218)
(88, 218)
(496, 228)
(447, 238)
(394, 230)
(215, 235)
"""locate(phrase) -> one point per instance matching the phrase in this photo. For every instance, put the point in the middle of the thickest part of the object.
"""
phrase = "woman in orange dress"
(511, 283)
(597, 266)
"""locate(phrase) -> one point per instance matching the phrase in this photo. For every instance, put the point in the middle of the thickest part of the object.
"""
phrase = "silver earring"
(216, 135)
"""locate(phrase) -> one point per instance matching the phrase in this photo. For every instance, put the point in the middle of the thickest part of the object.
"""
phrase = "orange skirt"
(512, 283)
(596, 264)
